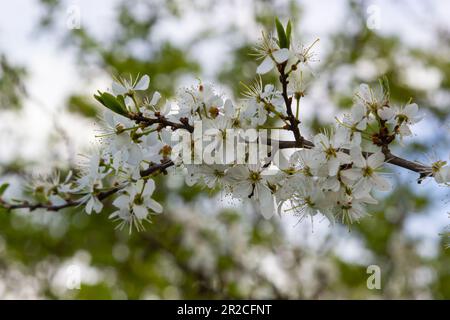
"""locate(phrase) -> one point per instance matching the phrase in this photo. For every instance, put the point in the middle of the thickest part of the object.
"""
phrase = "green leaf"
(288, 33)
(3, 188)
(122, 102)
(282, 40)
(115, 104)
(384, 83)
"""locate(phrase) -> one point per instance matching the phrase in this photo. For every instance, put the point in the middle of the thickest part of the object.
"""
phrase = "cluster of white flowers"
(335, 175)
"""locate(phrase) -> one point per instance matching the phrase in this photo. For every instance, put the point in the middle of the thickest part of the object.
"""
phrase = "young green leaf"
(288, 33)
(122, 103)
(384, 83)
(282, 40)
(114, 104)
(3, 188)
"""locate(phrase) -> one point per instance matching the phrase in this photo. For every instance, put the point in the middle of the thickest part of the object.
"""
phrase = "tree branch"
(139, 118)
(423, 170)
(155, 168)
(293, 121)
(73, 203)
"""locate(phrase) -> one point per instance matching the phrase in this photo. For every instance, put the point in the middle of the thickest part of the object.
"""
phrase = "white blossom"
(408, 116)
(330, 148)
(271, 60)
(441, 171)
(363, 173)
(135, 203)
(253, 182)
(124, 86)
(335, 175)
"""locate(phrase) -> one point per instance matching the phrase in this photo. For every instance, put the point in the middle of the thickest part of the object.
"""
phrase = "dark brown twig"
(293, 121)
(139, 118)
(423, 170)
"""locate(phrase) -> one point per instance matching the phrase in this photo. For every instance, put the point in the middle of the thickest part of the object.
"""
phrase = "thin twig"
(423, 170)
(73, 203)
(139, 118)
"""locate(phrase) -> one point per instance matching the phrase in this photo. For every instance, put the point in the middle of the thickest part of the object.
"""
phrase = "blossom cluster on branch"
(236, 147)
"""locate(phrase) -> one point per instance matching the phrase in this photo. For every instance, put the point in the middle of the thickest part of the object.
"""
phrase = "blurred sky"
(53, 71)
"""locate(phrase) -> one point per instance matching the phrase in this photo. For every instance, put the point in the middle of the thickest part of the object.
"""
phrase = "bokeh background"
(55, 54)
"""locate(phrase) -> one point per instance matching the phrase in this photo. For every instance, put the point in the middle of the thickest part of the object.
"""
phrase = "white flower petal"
(362, 125)
(364, 92)
(411, 110)
(93, 205)
(281, 55)
(56, 200)
(405, 130)
(143, 83)
(155, 98)
(343, 158)
(362, 188)
(265, 66)
(135, 155)
(153, 205)
(380, 183)
(121, 201)
(89, 206)
(140, 212)
(333, 166)
(340, 137)
(321, 140)
(368, 199)
(376, 160)
(149, 188)
(243, 189)
(358, 112)
(267, 203)
(332, 183)
(352, 174)
(386, 113)
(443, 175)
(98, 205)
(118, 89)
